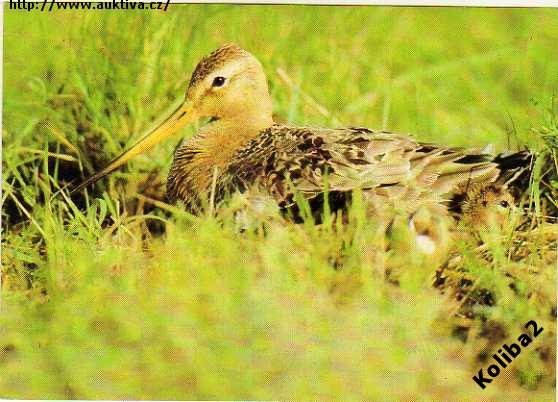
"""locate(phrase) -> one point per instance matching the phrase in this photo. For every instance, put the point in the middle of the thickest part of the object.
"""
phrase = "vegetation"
(118, 295)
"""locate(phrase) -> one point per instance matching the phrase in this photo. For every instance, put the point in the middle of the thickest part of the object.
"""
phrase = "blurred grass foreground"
(117, 295)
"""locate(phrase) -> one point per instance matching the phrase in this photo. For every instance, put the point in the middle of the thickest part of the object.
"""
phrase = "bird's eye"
(504, 204)
(218, 81)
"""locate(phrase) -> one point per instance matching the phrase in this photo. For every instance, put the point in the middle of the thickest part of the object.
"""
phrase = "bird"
(485, 204)
(480, 207)
(241, 150)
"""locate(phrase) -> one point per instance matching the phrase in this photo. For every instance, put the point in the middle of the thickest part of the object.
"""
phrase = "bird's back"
(282, 161)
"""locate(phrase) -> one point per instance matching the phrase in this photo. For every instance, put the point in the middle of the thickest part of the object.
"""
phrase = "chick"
(482, 206)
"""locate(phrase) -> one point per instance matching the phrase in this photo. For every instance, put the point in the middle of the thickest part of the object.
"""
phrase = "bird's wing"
(286, 160)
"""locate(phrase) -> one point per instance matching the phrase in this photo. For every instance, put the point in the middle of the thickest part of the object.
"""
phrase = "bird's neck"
(214, 145)
(222, 137)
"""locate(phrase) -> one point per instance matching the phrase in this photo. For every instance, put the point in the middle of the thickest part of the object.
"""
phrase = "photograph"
(308, 202)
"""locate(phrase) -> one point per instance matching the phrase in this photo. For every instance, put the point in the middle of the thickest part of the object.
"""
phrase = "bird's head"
(227, 85)
(488, 205)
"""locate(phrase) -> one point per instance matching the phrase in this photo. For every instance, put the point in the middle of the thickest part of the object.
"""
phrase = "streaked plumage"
(281, 160)
(242, 150)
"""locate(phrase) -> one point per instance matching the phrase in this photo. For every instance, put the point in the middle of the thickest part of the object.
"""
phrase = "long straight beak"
(183, 115)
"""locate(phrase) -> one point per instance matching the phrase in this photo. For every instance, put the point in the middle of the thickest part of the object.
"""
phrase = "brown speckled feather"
(281, 159)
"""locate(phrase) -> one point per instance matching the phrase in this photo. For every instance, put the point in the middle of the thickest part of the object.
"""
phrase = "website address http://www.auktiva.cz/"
(50, 5)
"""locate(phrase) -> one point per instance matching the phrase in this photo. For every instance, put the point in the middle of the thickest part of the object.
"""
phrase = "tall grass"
(118, 295)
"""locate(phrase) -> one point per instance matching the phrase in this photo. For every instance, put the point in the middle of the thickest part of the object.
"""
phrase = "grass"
(120, 296)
